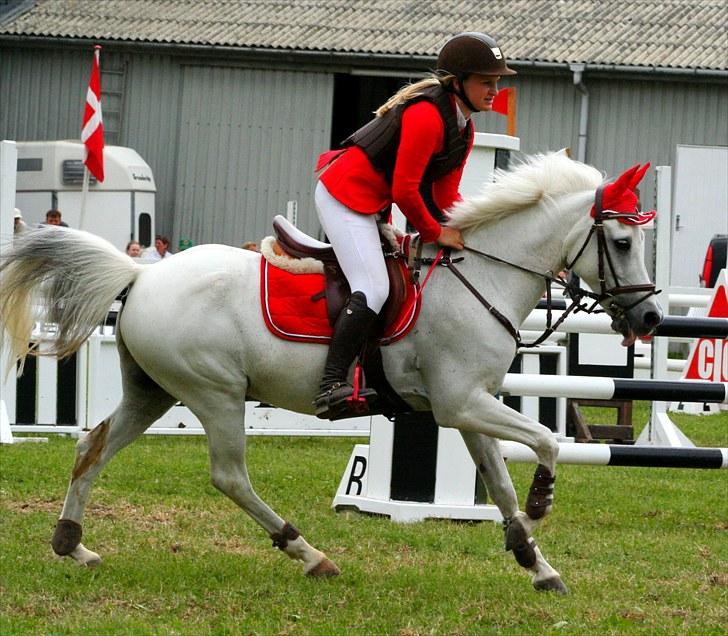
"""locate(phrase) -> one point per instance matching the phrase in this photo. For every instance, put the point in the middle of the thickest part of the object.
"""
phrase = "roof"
(678, 34)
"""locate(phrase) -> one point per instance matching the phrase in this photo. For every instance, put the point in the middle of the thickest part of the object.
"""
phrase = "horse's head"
(610, 257)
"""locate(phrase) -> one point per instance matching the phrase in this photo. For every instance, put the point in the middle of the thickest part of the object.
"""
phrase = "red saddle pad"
(294, 307)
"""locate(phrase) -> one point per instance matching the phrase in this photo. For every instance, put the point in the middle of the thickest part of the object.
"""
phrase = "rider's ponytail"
(409, 91)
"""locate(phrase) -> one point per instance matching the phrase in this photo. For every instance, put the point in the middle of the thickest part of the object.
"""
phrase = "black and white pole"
(615, 455)
(596, 388)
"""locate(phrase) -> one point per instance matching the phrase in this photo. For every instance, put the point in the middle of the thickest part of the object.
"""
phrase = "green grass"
(644, 551)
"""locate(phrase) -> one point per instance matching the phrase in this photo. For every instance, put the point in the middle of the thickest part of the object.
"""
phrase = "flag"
(505, 104)
(92, 133)
(500, 101)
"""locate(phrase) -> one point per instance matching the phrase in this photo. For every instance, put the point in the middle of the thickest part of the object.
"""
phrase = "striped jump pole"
(596, 388)
(614, 455)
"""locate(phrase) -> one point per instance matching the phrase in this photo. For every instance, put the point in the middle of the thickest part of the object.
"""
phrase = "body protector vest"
(379, 139)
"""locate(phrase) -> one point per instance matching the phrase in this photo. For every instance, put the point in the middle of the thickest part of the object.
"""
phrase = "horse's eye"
(623, 245)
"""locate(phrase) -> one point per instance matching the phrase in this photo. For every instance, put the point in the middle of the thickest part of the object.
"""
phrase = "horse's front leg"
(492, 470)
(481, 412)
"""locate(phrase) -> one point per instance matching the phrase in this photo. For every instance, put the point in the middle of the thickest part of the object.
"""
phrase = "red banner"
(709, 356)
(92, 132)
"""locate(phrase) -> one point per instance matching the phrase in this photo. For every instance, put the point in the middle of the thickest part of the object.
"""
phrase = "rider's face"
(481, 90)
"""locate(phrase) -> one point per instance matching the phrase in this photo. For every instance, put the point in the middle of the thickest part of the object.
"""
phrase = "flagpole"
(92, 134)
(84, 192)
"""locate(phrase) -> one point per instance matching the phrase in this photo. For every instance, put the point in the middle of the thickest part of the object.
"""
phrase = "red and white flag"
(92, 133)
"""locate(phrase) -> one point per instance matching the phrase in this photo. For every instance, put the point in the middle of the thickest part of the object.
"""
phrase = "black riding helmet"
(468, 53)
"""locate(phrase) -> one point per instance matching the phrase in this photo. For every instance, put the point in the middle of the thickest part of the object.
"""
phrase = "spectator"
(160, 249)
(134, 249)
(250, 245)
(19, 224)
(53, 217)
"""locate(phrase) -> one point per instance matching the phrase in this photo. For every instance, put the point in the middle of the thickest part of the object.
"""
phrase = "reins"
(572, 290)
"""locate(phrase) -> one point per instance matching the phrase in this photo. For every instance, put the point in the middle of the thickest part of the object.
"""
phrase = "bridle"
(603, 255)
(571, 289)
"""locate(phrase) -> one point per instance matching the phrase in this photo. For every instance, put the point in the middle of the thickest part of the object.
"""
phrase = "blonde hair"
(409, 91)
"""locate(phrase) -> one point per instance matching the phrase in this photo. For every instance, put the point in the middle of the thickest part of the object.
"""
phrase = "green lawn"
(644, 551)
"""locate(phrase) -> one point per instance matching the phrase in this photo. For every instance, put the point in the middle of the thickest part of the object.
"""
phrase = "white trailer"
(121, 208)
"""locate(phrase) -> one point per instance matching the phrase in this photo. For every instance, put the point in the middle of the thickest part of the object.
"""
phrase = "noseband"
(573, 290)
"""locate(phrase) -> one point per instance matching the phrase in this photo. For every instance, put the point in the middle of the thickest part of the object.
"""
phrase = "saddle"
(303, 291)
(398, 313)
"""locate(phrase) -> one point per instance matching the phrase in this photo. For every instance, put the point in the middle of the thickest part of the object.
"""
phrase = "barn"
(230, 102)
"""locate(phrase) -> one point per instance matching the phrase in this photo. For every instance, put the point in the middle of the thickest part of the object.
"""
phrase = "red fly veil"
(619, 200)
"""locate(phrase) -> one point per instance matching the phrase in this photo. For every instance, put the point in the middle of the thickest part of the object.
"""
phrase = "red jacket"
(352, 180)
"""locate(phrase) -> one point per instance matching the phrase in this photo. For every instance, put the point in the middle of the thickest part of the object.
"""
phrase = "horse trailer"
(121, 208)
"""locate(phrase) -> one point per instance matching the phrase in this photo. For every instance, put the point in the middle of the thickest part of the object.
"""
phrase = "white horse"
(191, 329)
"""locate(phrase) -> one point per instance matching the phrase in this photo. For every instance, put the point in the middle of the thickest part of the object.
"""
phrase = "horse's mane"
(537, 178)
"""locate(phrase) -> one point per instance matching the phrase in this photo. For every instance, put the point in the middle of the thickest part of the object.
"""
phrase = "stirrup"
(342, 400)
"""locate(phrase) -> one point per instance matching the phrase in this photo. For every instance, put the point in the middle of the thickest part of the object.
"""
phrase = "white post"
(8, 174)
(292, 212)
(660, 430)
(84, 192)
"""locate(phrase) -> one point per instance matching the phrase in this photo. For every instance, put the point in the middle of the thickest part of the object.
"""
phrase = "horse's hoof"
(84, 556)
(516, 534)
(551, 584)
(324, 568)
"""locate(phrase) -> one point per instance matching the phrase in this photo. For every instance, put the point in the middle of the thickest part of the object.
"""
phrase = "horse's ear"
(637, 177)
(624, 181)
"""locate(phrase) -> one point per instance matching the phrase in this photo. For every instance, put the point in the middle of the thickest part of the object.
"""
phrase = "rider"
(412, 154)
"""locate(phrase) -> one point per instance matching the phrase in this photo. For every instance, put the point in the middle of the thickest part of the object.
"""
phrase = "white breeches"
(355, 239)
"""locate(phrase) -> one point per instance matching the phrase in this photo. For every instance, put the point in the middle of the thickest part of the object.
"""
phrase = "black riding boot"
(350, 332)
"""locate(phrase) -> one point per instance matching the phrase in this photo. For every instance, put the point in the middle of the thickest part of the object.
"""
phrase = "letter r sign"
(358, 470)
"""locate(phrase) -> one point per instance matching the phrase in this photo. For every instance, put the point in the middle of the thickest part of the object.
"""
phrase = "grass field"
(644, 551)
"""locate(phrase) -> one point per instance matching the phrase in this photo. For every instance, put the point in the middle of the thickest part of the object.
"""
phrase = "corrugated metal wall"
(42, 93)
(248, 144)
(229, 145)
(630, 120)
(547, 110)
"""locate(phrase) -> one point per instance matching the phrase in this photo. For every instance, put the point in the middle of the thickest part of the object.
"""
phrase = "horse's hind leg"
(142, 403)
(492, 470)
(223, 419)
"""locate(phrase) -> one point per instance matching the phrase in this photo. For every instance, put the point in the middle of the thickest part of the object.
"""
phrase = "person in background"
(18, 223)
(250, 245)
(160, 249)
(53, 217)
(134, 249)
(412, 154)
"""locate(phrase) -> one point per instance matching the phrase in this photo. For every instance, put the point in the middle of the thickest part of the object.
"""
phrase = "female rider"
(412, 154)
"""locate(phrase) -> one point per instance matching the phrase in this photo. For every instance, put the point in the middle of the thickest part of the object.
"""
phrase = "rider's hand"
(451, 237)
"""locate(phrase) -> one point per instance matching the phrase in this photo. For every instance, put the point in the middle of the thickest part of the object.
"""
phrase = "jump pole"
(615, 455)
(596, 388)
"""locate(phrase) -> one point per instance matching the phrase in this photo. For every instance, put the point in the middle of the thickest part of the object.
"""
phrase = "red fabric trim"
(290, 312)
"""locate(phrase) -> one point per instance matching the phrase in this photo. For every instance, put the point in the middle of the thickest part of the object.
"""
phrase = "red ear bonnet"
(620, 199)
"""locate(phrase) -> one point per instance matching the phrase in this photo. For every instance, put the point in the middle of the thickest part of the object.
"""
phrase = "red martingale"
(621, 200)
(294, 307)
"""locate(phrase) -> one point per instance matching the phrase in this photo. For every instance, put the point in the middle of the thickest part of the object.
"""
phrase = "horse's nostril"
(652, 319)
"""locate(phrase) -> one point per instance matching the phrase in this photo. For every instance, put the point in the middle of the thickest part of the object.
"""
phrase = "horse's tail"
(69, 277)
